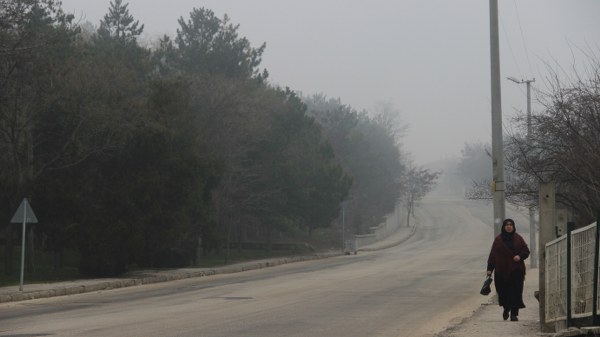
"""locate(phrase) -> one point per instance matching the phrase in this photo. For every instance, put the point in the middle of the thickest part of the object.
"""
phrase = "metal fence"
(582, 255)
(556, 280)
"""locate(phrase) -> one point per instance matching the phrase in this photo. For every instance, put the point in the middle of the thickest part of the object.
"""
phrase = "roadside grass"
(43, 270)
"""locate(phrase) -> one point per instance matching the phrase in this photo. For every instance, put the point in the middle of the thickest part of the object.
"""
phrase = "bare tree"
(563, 145)
(419, 182)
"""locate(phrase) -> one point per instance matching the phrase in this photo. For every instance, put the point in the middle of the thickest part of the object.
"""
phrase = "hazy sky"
(429, 58)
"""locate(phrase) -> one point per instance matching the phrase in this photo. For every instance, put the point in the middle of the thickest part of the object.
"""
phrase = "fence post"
(570, 226)
(547, 209)
(595, 285)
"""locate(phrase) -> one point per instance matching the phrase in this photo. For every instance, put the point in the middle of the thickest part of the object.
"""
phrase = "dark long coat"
(509, 275)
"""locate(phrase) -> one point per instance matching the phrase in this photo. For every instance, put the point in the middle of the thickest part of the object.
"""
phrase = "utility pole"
(497, 143)
(532, 230)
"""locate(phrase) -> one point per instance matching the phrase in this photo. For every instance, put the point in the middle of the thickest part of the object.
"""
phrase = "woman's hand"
(489, 273)
(517, 258)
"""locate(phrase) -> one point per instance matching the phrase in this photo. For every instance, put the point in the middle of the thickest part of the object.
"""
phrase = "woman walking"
(508, 252)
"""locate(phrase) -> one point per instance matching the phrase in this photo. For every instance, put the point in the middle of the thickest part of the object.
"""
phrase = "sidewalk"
(487, 321)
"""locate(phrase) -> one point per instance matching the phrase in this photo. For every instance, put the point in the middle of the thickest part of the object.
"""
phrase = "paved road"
(414, 289)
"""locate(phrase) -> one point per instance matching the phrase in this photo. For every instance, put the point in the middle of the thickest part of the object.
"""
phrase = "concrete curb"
(145, 277)
(12, 294)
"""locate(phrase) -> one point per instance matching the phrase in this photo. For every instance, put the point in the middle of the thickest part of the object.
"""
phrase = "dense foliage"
(368, 150)
(137, 157)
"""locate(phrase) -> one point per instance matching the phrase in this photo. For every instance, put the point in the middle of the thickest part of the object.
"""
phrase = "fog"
(429, 59)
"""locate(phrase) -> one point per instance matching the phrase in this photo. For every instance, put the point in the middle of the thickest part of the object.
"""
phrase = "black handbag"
(486, 289)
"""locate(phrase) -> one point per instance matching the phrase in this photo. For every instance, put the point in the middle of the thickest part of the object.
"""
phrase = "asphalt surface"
(45, 290)
(485, 320)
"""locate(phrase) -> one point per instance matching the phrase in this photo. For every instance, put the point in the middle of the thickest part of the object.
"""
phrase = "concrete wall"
(392, 222)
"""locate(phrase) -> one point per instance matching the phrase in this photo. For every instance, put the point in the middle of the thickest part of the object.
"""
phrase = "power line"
(510, 47)
(522, 37)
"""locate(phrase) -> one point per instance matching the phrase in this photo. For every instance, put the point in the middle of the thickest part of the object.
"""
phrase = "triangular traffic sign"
(24, 214)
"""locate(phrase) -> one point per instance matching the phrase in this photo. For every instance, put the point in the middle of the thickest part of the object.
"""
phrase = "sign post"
(24, 214)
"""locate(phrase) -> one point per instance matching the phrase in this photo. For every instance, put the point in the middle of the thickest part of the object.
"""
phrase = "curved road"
(414, 289)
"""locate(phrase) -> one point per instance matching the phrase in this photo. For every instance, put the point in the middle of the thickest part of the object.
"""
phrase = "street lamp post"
(532, 231)
(344, 227)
